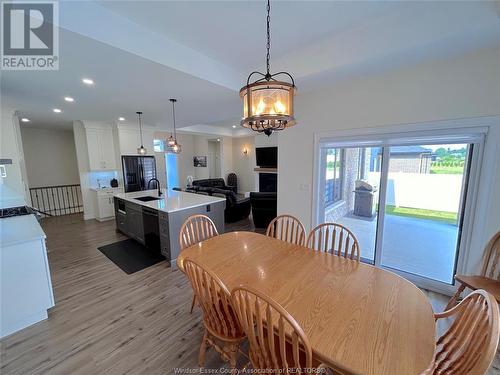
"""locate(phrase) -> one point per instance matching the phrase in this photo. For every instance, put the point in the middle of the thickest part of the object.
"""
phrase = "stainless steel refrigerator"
(137, 171)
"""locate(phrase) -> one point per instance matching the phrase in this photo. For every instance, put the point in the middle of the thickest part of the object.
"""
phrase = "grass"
(435, 169)
(419, 213)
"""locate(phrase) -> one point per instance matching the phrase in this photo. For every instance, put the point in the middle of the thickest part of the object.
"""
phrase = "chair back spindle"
(284, 348)
(491, 266)
(195, 229)
(287, 228)
(334, 238)
(215, 300)
(470, 343)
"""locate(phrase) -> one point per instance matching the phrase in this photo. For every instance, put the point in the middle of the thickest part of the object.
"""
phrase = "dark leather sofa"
(237, 206)
(218, 183)
(264, 208)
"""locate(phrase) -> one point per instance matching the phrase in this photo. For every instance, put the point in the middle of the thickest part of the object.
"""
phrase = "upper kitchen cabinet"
(129, 138)
(101, 147)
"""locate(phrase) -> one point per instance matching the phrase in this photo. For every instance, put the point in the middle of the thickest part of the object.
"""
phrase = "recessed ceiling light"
(69, 99)
(87, 81)
(234, 126)
(57, 110)
(24, 119)
(121, 118)
(218, 139)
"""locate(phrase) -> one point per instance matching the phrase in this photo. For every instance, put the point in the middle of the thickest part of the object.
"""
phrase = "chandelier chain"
(268, 57)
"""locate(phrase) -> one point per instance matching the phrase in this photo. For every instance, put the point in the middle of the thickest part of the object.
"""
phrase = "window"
(158, 145)
(334, 175)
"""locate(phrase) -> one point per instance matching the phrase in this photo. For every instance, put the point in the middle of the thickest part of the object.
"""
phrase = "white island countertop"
(170, 200)
(18, 229)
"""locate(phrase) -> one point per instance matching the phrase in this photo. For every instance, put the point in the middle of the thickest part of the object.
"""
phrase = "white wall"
(226, 157)
(16, 183)
(82, 157)
(50, 157)
(244, 164)
(459, 87)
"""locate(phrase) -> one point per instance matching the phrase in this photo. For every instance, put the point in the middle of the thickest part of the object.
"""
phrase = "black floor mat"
(130, 255)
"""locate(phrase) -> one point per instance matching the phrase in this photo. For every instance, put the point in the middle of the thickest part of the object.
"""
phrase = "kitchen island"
(155, 221)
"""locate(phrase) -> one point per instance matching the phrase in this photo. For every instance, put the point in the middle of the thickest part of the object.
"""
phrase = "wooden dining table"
(359, 319)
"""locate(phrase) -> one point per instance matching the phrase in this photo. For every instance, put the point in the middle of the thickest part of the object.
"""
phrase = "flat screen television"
(267, 157)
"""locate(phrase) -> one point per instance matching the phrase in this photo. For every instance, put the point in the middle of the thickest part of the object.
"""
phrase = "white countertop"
(171, 200)
(106, 189)
(18, 229)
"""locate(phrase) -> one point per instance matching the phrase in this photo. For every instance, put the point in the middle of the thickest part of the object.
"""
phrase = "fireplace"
(268, 182)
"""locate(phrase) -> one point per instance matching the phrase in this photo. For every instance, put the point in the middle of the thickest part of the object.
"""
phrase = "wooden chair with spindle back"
(470, 343)
(287, 228)
(334, 238)
(489, 279)
(285, 349)
(223, 331)
(195, 229)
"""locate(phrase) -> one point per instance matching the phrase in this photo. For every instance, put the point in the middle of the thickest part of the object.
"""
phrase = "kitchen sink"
(147, 198)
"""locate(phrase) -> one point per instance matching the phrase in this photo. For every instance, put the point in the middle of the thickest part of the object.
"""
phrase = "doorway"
(404, 200)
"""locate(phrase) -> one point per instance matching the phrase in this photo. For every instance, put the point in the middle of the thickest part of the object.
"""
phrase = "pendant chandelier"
(141, 150)
(172, 145)
(268, 102)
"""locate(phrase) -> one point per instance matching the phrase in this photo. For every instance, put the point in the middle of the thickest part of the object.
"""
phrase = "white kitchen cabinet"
(104, 204)
(25, 287)
(101, 149)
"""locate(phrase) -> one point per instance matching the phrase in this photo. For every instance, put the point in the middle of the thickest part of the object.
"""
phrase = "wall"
(184, 163)
(13, 188)
(50, 157)
(200, 149)
(82, 157)
(226, 157)
(243, 165)
(468, 86)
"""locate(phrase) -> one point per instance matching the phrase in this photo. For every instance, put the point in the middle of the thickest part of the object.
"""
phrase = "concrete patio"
(419, 246)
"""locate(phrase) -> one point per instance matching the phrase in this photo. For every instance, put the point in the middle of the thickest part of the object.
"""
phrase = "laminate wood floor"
(108, 322)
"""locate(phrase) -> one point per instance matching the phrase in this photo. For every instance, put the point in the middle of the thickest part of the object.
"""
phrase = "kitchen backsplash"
(103, 177)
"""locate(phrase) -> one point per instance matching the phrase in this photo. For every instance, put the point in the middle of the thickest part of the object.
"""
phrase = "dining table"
(359, 319)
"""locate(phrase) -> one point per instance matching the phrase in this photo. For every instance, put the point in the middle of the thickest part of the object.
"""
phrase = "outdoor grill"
(364, 199)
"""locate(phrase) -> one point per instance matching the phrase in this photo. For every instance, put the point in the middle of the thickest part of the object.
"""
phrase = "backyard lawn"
(439, 169)
(443, 216)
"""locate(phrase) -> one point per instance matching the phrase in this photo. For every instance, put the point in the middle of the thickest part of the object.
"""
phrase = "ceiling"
(141, 53)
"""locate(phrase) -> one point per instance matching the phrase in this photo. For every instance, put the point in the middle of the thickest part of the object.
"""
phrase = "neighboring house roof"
(417, 150)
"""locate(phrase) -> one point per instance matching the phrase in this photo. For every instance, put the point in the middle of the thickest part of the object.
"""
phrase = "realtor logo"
(30, 36)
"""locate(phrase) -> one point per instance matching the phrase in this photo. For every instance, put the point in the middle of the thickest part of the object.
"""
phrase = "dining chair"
(222, 329)
(334, 238)
(287, 228)
(195, 229)
(489, 279)
(287, 348)
(470, 343)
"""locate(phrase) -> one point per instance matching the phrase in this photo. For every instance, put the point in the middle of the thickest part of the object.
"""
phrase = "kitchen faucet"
(158, 183)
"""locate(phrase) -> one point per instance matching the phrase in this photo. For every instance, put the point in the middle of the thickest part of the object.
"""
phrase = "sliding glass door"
(405, 203)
